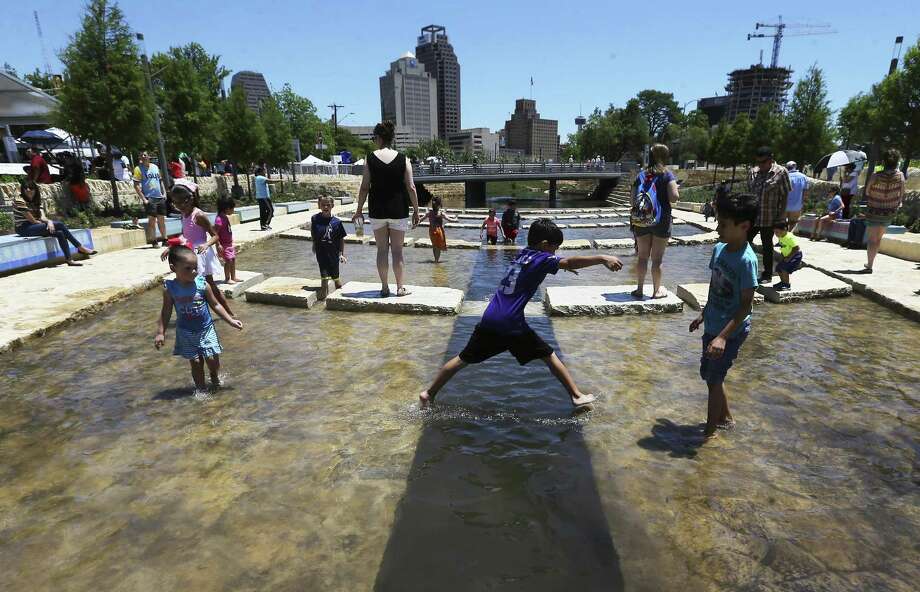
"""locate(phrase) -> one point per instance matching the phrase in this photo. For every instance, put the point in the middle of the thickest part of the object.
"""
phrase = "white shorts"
(400, 224)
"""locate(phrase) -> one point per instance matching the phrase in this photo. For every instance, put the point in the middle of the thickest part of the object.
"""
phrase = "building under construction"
(753, 87)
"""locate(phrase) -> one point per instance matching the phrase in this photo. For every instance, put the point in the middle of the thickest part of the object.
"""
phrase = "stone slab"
(285, 291)
(354, 239)
(365, 297)
(696, 295)
(612, 225)
(579, 243)
(605, 301)
(247, 279)
(584, 225)
(406, 242)
(295, 206)
(703, 238)
(452, 243)
(588, 216)
(902, 246)
(297, 234)
(808, 284)
(678, 221)
(614, 243)
(475, 308)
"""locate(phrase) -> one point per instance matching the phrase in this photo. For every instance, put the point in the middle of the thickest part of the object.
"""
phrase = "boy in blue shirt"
(503, 328)
(328, 244)
(726, 318)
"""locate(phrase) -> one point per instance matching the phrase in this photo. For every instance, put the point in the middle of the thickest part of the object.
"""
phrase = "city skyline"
(587, 61)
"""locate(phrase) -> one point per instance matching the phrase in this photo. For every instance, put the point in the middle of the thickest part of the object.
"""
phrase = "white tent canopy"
(313, 160)
(360, 162)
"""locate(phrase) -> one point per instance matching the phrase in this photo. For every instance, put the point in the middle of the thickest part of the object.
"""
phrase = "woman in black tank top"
(389, 185)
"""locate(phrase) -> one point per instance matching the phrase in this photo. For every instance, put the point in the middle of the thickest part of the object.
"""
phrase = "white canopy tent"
(313, 160)
(21, 104)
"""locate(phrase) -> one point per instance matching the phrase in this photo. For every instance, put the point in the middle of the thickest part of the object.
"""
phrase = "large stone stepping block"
(604, 301)
(614, 243)
(247, 279)
(579, 243)
(452, 243)
(407, 242)
(611, 225)
(696, 295)
(297, 234)
(365, 297)
(584, 225)
(807, 284)
(703, 238)
(285, 291)
(354, 239)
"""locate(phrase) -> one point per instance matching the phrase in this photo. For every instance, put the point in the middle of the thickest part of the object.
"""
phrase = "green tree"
(807, 133)
(40, 80)
(434, 147)
(300, 113)
(243, 137)
(190, 121)
(660, 110)
(278, 149)
(689, 139)
(857, 121)
(104, 96)
(898, 112)
(765, 130)
(736, 143)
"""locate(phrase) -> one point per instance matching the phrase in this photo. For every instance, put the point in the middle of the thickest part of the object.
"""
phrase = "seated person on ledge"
(834, 212)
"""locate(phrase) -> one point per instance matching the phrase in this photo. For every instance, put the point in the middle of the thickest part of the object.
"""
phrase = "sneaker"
(765, 279)
(781, 286)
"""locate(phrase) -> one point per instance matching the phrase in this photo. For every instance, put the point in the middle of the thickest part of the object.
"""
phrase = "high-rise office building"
(538, 138)
(254, 85)
(436, 52)
(409, 98)
(478, 141)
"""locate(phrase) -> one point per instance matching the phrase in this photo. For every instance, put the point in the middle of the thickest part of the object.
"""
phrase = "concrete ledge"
(424, 243)
(365, 297)
(247, 279)
(579, 243)
(903, 246)
(696, 295)
(584, 225)
(604, 301)
(689, 206)
(808, 284)
(705, 238)
(247, 213)
(292, 207)
(344, 200)
(614, 243)
(20, 252)
(285, 291)
(297, 234)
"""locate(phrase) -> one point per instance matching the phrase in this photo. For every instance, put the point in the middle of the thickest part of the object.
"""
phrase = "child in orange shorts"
(436, 217)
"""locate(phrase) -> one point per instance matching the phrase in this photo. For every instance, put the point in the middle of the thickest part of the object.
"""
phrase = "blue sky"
(580, 55)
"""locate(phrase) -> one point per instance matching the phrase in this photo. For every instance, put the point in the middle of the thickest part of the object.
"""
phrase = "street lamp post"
(164, 169)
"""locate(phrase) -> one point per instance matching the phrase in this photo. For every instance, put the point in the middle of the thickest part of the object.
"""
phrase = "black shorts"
(484, 344)
(328, 265)
(660, 230)
(155, 207)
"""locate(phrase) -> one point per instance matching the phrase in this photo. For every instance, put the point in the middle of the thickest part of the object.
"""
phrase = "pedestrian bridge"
(475, 176)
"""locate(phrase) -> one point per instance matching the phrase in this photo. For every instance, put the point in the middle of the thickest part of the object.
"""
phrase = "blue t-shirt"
(799, 184)
(191, 303)
(834, 204)
(149, 178)
(732, 272)
(327, 233)
(505, 313)
(262, 190)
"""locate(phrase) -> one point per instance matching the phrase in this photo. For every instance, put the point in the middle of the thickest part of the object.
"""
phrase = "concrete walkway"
(893, 283)
(36, 301)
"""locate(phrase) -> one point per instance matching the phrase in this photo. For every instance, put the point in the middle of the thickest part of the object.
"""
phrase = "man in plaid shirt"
(770, 183)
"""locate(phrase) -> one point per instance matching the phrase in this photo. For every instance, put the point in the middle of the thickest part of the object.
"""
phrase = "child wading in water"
(726, 318)
(436, 217)
(791, 256)
(503, 327)
(511, 222)
(196, 338)
(492, 227)
(328, 243)
(195, 230)
(225, 207)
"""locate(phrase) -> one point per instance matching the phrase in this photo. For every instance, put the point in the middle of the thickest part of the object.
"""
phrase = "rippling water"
(313, 467)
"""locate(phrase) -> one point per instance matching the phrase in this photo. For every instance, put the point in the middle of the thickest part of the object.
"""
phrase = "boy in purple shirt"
(503, 327)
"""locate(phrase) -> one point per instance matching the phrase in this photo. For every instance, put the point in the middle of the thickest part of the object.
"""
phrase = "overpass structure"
(475, 176)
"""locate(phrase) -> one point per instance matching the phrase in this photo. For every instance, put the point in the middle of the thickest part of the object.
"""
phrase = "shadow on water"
(501, 494)
(680, 441)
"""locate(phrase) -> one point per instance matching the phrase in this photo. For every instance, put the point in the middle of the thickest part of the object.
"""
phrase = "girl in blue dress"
(190, 294)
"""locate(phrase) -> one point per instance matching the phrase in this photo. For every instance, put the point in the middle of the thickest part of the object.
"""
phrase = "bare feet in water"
(583, 401)
(424, 400)
(661, 292)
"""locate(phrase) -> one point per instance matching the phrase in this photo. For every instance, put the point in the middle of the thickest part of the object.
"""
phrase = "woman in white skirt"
(199, 235)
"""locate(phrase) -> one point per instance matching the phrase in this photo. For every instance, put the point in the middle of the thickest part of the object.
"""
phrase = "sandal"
(637, 294)
(385, 293)
(402, 291)
(74, 264)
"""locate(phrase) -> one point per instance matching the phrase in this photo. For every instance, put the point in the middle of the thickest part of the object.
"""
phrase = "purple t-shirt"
(505, 313)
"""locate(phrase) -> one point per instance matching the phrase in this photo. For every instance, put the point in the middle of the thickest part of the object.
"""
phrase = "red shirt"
(40, 171)
(175, 170)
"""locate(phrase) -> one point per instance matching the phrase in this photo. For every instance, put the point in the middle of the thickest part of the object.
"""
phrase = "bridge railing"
(441, 169)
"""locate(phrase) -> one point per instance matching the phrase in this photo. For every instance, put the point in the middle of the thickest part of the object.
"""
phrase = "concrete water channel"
(313, 469)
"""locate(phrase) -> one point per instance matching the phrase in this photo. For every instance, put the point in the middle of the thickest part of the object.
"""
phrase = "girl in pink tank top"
(199, 235)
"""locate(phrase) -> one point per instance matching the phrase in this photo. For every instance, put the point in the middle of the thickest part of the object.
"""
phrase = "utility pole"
(335, 117)
(164, 168)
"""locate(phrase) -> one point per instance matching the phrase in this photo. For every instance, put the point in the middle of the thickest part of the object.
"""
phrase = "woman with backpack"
(650, 218)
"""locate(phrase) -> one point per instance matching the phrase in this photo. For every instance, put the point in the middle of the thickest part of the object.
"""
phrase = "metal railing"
(442, 169)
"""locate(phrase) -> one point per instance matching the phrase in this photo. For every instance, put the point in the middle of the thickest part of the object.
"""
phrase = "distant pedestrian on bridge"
(389, 188)
(650, 218)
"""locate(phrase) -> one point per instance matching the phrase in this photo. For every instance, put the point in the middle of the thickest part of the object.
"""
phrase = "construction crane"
(780, 27)
(41, 41)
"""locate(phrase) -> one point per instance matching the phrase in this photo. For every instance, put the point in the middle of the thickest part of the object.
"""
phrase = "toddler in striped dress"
(190, 294)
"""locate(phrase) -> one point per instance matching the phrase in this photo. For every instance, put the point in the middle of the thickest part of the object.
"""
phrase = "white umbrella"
(844, 157)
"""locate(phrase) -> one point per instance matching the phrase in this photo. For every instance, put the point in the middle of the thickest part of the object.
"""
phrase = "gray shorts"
(155, 207)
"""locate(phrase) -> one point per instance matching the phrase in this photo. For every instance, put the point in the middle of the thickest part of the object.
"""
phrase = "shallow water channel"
(312, 469)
